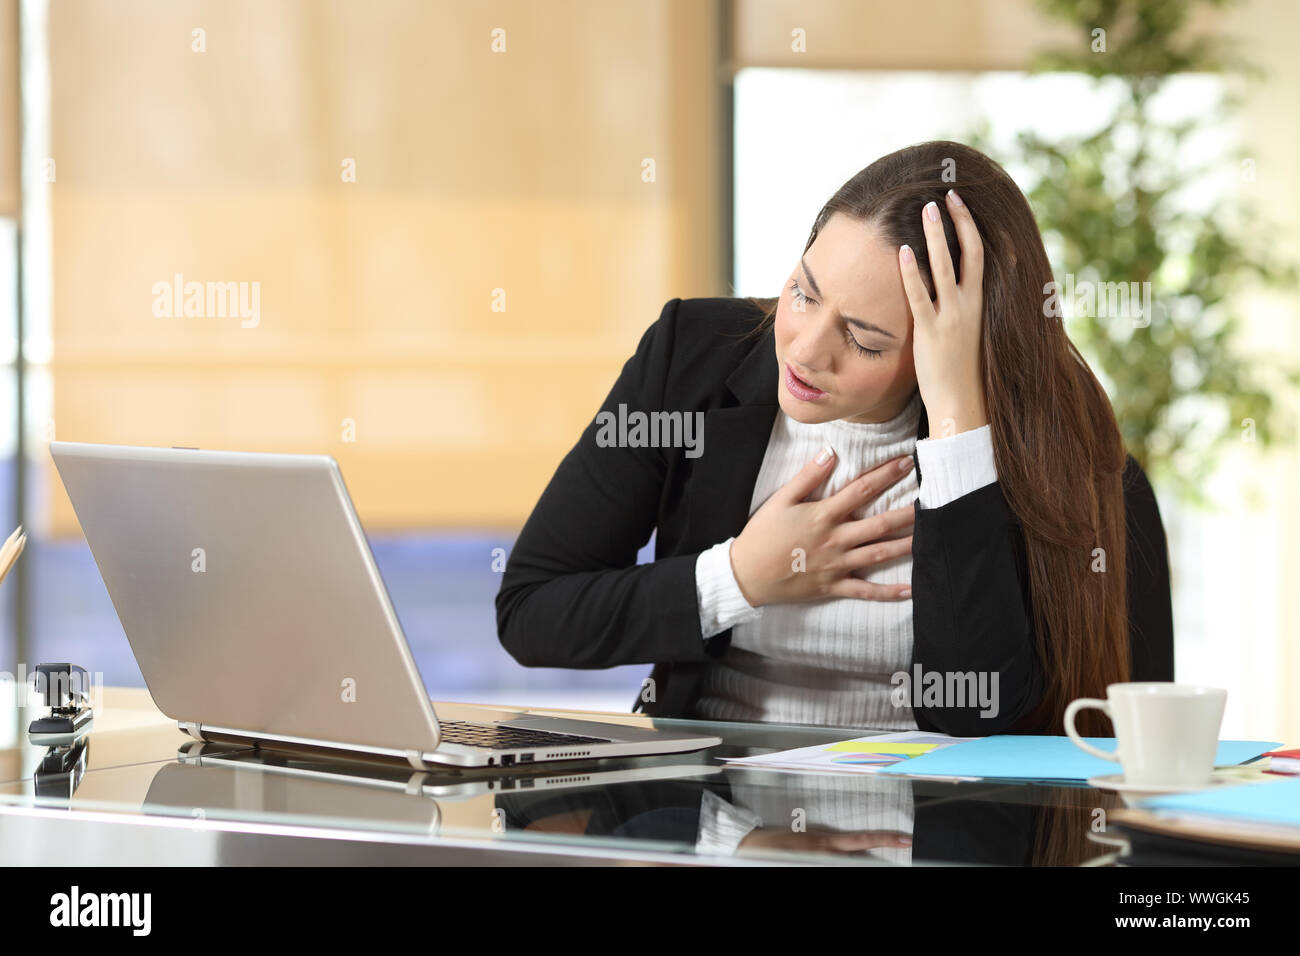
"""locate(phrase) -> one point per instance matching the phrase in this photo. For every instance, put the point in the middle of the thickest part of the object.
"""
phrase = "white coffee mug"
(1166, 734)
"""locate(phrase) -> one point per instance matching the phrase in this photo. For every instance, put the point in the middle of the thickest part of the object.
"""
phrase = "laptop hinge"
(192, 728)
(416, 759)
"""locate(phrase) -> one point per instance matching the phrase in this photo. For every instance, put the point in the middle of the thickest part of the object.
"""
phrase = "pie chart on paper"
(863, 752)
(867, 758)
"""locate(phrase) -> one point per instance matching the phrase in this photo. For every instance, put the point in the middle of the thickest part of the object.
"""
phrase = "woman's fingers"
(878, 552)
(941, 266)
(850, 842)
(918, 299)
(883, 525)
(866, 487)
(945, 280)
(972, 247)
(809, 477)
(852, 587)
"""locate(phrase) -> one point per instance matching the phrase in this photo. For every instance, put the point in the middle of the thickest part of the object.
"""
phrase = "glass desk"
(137, 791)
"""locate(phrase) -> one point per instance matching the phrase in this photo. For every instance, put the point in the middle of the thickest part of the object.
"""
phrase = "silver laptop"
(214, 777)
(252, 603)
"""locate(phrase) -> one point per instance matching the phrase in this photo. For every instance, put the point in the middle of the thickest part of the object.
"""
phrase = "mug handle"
(1074, 708)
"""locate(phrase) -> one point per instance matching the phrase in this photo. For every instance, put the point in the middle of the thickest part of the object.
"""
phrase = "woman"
(820, 558)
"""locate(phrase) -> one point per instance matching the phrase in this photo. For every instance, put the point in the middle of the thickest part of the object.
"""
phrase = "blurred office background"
(460, 218)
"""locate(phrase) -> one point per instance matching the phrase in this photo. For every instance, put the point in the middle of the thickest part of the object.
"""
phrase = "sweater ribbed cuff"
(722, 605)
(955, 466)
(723, 826)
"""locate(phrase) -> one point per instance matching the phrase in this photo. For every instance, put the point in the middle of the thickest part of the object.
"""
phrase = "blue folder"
(1260, 802)
(1024, 757)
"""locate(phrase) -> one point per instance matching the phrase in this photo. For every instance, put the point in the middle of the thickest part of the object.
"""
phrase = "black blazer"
(573, 596)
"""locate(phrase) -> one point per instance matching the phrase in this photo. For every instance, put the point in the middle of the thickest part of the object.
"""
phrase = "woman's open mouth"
(801, 389)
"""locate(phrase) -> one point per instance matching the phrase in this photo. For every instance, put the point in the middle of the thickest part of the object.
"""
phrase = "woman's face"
(844, 329)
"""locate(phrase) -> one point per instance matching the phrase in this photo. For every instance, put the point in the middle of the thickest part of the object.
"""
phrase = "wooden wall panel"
(476, 171)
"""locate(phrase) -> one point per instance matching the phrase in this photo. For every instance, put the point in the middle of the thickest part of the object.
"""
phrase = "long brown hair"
(1057, 449)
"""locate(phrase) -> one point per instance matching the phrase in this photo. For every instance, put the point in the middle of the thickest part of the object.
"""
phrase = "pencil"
(9, 553)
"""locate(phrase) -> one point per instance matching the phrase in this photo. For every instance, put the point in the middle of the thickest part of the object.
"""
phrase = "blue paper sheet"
(1260, 802)
(1024, 757)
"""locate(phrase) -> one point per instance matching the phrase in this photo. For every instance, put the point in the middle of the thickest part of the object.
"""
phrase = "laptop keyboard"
(491, 737)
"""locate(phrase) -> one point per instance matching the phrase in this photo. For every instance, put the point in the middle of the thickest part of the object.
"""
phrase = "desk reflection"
(688, 808)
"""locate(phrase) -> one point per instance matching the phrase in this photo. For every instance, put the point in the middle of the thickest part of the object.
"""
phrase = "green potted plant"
(1112, 205)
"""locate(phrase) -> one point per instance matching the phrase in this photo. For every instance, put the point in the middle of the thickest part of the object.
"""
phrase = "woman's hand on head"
(793, 550)
(946, 333)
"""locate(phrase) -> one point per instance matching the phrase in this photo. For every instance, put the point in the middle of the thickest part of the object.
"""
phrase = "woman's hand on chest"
(794, 550)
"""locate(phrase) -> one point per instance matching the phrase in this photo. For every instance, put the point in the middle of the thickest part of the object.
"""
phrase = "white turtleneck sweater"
(843, 650)
(840, 652)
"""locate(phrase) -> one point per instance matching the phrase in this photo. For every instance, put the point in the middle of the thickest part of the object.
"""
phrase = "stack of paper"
(1252, 824)
(860, 755)
(1026, 757)
(1249, 804)
(1006, 757)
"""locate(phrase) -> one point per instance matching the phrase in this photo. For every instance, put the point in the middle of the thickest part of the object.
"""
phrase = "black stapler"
(66, 690)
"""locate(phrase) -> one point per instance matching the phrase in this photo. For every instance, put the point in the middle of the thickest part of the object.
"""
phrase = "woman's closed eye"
(862, 350)
(797, 295)
(800, 299)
